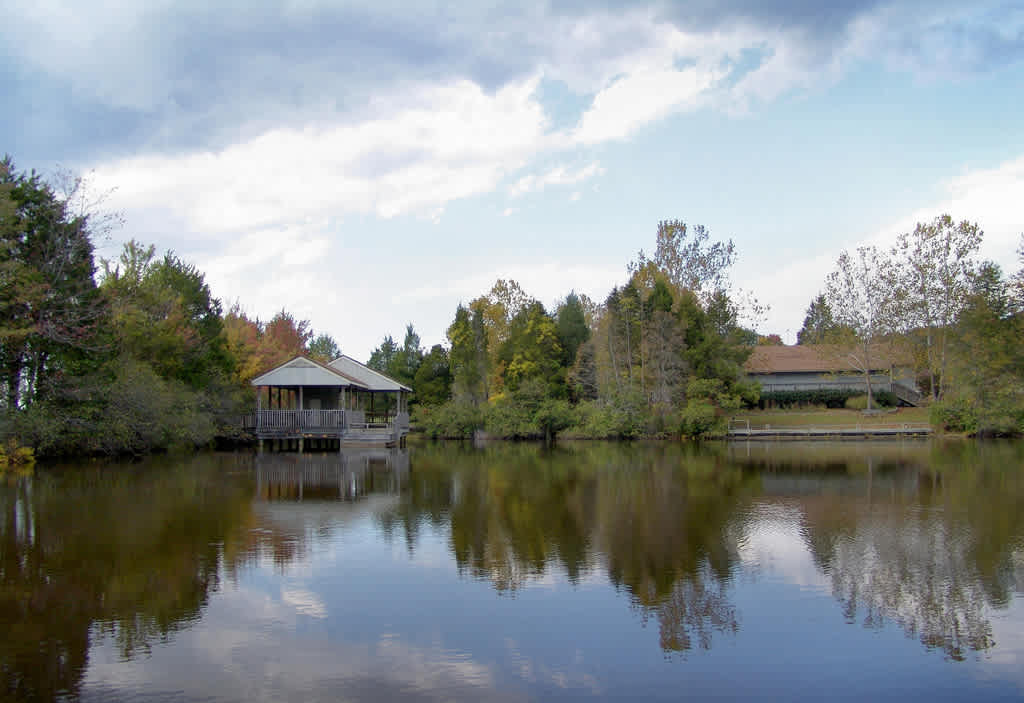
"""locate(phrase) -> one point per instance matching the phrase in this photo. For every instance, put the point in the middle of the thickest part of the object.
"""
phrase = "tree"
(324, 349)
(533, 350)
(818, 323)
(433, 381)
(859, 294)
(986, 379)
(286, 337)
(383, 356)
(934, 267)
(468, 357)
(690, 260)
(573, 330)
(165, 315)
(51, 316)
(398, 362)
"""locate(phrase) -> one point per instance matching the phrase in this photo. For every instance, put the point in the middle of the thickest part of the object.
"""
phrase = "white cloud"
(639, 98)
(435, 145)
(557, 176)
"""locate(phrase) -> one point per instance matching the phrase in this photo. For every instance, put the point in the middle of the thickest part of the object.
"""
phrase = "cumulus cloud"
(439, 144)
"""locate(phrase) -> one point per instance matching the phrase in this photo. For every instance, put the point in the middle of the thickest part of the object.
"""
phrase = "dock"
(892, 431)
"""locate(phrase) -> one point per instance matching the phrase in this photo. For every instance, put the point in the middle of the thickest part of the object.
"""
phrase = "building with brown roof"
(823, 366)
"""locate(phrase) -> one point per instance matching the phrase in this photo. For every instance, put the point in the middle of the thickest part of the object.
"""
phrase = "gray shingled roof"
(365, 376)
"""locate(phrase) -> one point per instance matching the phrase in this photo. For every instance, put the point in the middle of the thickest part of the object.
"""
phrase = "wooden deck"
(906, 429)
(349, 427)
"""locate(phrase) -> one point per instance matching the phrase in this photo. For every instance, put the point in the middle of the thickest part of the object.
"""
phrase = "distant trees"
(961, 319)
(399, 362)
(629, 365)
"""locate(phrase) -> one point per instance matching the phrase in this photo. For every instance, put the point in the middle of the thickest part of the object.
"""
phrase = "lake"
(514, 572)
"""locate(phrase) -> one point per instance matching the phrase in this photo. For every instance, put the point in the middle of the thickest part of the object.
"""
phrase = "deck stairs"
(907, 395)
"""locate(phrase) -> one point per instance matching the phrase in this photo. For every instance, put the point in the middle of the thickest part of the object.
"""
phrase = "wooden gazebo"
(343, 403)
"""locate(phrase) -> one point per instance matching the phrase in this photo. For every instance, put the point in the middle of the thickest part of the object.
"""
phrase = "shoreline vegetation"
(135, 355)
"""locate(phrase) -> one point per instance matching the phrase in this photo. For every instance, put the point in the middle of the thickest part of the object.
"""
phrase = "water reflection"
(928, 536)
(505, 572)
(128, 553)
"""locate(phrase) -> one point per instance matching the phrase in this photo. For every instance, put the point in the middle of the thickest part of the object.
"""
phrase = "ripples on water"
(514, 572)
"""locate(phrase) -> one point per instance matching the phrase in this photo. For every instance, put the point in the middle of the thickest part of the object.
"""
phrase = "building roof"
(301, 371)
(366, 377)
(811, 358)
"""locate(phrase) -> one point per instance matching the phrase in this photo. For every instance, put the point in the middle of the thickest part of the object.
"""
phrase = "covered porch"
(304, 400)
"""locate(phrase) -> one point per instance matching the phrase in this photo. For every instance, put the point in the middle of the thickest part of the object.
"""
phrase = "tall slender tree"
(934, 268)
(859, 294)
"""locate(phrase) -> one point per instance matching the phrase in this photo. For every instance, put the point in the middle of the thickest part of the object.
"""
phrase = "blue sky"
(365, 166)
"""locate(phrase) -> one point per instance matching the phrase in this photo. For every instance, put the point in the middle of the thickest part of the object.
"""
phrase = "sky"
(368, 165)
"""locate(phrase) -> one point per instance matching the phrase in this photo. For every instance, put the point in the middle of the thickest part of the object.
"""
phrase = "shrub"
(857, 402)
(957, 415)
(828, 397)
(451, 420)
(700, 419)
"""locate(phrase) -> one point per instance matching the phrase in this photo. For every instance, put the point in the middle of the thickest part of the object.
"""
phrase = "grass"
(811, 417)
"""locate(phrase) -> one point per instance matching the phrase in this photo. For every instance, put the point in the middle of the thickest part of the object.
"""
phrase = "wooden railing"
(288, 422)
(293, 420)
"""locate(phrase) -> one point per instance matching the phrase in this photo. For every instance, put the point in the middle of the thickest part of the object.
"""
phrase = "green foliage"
(700, 419)
(957, 415)
(16, 457)
(451, 420)
(468, 356)
(432, 384)
(857, 402)
(819, 326)
(398, 362)
(827, 397)
(572, 326)
(51, 316)
(622, 418)
(532, 351)
(324, 349)
(527, 412)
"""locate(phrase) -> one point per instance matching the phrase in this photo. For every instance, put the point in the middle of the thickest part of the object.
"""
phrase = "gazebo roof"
(301, 371)
(343, 372)
(366, 377)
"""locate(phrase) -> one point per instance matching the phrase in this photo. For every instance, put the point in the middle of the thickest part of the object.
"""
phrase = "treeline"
(957, 320)
(662, 354)
(136, 355)
(132, 356)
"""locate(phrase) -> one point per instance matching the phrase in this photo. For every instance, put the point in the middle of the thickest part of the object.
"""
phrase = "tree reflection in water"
(653, 517)
(927, 536)
(923, 535)
(123, 552)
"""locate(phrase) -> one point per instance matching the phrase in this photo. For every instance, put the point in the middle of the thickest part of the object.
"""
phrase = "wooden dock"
(336, 428)
(892, 431)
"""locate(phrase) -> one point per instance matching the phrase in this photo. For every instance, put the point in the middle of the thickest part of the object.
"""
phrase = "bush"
(14, 456)
(828, 397)
(622, 418)
(700, 419)
(451, 420)
(957, 415)
(857, 402)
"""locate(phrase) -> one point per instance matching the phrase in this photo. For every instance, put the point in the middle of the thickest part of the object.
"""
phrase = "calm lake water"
(848, 571)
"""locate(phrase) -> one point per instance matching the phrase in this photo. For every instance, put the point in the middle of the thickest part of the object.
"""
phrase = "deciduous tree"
(859, 294)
